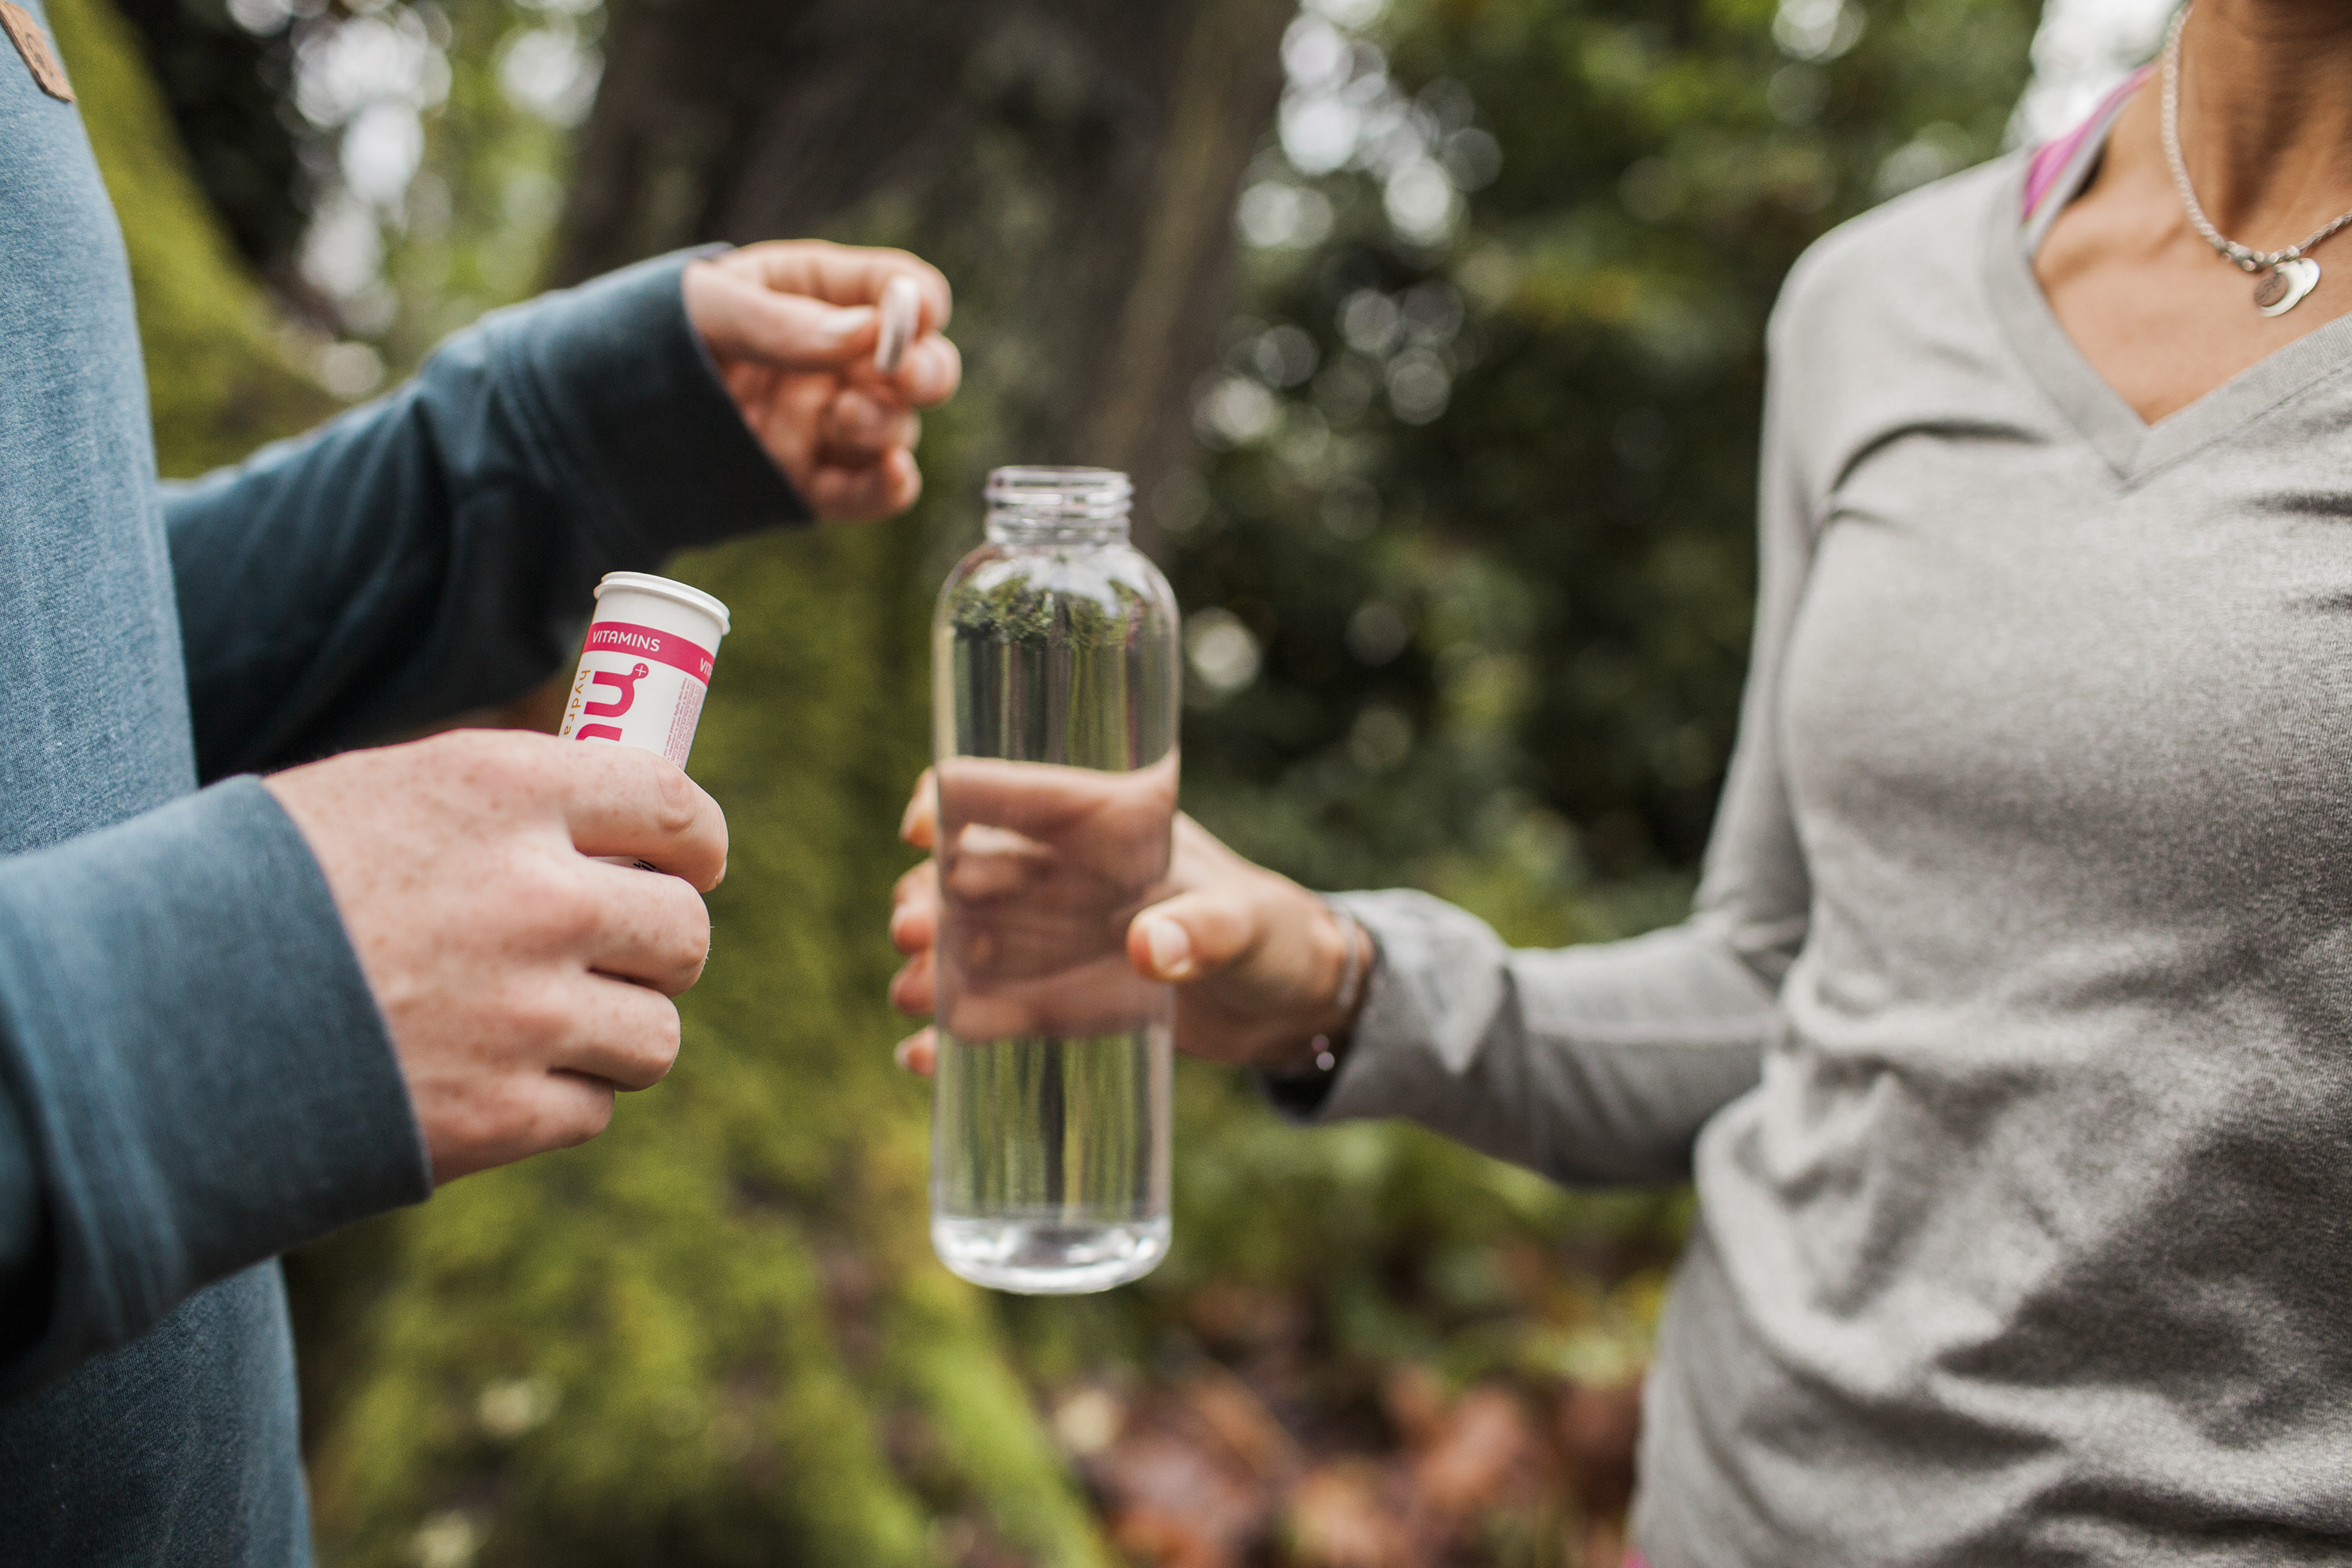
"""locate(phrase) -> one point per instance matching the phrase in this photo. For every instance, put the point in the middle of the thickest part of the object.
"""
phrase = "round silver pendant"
(2283, 287)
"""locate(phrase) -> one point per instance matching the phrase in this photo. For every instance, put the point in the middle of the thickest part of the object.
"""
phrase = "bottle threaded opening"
(1058, 499)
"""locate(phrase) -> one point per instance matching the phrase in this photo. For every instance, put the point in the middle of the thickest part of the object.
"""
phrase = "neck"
(2266, 115)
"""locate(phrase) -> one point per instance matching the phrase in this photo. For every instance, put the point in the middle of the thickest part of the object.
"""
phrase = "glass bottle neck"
(1010, 527)
(1058, 505)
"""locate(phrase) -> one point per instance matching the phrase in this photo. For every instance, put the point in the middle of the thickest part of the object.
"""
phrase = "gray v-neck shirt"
(2011, 1043)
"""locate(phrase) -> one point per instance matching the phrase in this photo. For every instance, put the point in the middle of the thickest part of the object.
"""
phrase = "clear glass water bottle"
(1055, 704)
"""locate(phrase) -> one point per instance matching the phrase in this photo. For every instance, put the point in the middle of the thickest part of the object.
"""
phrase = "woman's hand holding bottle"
(1259, 962)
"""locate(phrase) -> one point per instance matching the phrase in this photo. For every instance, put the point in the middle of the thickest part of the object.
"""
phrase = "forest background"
(1432, 332)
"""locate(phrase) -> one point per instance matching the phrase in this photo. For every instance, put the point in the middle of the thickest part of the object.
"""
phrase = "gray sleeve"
(1600, 1063)
(194, 1074)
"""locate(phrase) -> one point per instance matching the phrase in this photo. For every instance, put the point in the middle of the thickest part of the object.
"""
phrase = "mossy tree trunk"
(716, 1335)
(223, 375)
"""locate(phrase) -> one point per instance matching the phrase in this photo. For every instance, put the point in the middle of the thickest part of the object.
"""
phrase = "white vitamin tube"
(647, 665)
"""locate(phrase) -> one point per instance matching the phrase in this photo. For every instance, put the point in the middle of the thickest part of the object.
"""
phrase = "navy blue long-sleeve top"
(194, 1075)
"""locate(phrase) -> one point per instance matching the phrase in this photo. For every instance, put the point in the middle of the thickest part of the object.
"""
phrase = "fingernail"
(1171, 949)
(847, 321)
(907, 818)
(913, 1045)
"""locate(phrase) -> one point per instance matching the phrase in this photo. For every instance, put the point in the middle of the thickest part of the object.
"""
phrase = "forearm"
(1591, 1064)
(1601, 1063)
(434, 551)
(195, 1074)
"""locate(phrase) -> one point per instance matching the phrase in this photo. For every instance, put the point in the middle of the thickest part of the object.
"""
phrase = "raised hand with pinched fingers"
(793, 326)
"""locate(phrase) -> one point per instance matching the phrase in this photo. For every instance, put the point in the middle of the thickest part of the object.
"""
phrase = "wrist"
(1346, 953)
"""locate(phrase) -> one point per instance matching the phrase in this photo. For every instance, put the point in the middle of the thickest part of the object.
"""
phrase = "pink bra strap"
(2050, 160)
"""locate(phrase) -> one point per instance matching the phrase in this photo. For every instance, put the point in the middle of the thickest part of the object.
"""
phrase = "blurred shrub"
(1484, 444)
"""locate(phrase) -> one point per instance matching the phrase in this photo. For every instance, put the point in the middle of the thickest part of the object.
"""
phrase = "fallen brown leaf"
(1238, 1417)
(1413, 1398)
(1172, 1473)
(1166, 1539)
(1483, 1443)
(1599, 1428)
(1338, 1517)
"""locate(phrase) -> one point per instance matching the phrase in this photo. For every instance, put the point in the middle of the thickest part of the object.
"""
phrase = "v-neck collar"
(2131, 447)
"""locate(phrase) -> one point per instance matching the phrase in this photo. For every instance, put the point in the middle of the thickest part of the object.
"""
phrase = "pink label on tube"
(645, 642)
(638, 686)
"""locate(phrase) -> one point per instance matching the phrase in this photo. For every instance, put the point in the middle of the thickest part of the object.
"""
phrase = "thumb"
(1191, 935)
(741, 320)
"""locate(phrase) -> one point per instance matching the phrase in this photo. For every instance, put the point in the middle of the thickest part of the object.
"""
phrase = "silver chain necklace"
(2285, 275)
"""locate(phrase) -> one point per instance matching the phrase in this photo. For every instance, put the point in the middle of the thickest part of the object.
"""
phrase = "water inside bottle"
(1081, 1212)
(1050, 1157)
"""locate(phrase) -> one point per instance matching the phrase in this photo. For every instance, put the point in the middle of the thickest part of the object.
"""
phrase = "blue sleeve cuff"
(613, 386)
(202, 1071)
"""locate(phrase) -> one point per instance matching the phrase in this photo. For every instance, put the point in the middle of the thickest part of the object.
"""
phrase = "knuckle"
(468, 743)
(587, 1115)
(910, 993)
(506, 1118)
(663, 1044)
(647, 1045)
(488, 748)
(537, 1016)
(509, 765)
(912, 937)
(475, 1123)
(676, 799)
(457, 756)
(562, 906)
(688, 945)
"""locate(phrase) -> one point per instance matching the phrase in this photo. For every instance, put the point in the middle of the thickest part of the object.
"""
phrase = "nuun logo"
(626, 685)
(638, 685)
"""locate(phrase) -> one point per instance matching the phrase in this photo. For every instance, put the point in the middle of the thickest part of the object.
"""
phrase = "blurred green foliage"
(476, 225)
(224, 87)
(223, 375)
(1503, 644)
(1477, 503)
